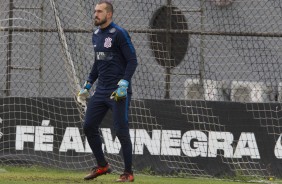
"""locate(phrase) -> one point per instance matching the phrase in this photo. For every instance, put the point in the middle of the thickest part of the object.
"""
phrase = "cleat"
(98, 171)
(126, 177)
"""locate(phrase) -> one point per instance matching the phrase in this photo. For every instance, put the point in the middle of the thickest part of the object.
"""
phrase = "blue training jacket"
(115, 59)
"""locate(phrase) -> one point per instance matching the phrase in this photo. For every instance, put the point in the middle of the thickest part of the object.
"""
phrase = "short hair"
(109, 5)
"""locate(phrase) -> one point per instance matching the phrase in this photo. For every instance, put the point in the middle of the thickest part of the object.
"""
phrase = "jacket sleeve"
(129, 54)
(93, 75)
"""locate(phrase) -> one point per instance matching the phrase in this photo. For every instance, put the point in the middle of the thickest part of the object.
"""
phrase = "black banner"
(168, 136)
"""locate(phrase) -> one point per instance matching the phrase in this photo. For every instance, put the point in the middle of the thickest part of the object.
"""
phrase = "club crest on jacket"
(108, 42)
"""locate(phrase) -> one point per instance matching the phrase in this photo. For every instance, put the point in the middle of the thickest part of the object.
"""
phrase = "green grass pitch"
(36, 174)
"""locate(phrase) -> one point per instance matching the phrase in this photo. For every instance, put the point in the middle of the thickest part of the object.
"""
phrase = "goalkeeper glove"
(121, 92)
(83, 94)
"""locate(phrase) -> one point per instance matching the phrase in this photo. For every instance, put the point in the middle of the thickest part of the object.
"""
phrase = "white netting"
(200, 63)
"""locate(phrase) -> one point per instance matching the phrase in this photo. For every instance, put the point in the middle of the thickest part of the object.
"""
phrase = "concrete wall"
(227, 58)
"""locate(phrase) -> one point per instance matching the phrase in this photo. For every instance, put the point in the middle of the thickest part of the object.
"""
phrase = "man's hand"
(121, 92)
(83, 94)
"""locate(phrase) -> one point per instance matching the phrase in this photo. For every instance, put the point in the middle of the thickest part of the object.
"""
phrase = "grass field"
(32, 175)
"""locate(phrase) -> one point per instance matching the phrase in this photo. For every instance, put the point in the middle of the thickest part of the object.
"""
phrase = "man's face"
(100, 15)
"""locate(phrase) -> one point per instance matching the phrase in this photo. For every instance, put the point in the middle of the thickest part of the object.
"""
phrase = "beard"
(99, 23)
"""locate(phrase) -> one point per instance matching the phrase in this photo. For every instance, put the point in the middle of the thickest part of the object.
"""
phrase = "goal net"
(206, 92)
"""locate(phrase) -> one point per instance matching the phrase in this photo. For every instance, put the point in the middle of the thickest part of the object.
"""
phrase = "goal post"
(206, 93)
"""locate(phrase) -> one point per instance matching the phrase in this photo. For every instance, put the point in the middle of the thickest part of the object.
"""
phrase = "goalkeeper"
(114, 66)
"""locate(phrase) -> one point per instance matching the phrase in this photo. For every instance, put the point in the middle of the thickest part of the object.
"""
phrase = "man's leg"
(96, 111)
(121, 125)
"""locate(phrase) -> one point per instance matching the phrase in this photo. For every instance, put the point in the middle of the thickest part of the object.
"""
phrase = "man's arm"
(129, 53)
(93, 75)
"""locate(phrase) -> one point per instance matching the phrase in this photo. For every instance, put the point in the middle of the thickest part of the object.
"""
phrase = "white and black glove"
(83, 94)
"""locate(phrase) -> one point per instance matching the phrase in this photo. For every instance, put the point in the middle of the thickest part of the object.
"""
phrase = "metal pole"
(180, 31)
(40, 82)
(202, 44)
(9, 50)
(168, 42)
